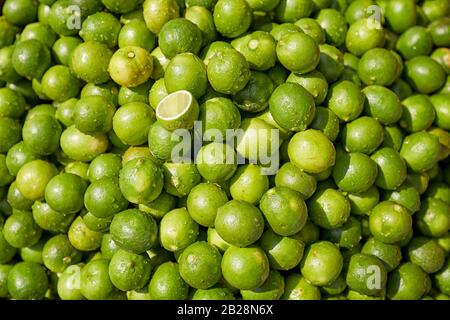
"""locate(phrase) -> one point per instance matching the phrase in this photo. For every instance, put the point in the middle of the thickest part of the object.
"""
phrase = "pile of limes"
(225, 149)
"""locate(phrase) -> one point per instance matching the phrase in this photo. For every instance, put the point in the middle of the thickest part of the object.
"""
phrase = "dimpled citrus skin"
(225, 150)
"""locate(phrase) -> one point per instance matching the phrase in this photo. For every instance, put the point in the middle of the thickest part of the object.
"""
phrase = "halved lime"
(178, 110)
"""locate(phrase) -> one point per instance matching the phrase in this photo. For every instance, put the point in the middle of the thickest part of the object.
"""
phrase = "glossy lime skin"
(292, 107)
(239, 223)
(106, 165)
(49, 219)
(59, 84)
(129, 271)
(364, 135)
(102, 27)
(203, 202)
(334, 24)
(95, 283)
(136, 94)
(68, 286)
(382, 104)
(407, 282)
(200, 265)
(329, 209)
(442, 278)
(219, 114)
(272, 289)
(214, 293)
(64, 193)
(131, 66)
(216, 162)
(361, 273)
(41, 134)
(424, 74)
(372, 66)
(103, 198)
(141, 180)
(391, 168)
(439, 31)
(186, 72)
(203, 18)
(433, 218)
(294, 178)
(132, 122)
(295, 44)
(8, 34)
(405, 195)
(249, 184)
(312, 28)
(12, 104)
(420, 150)
(232, 17)
(16, 199)
(20, 12)
(82, 64)
(179, 35)
(418, 113)
(390, 254)
(322, 263)
(401, 14)
(63, 48)
(390, 222)
(136, 33)
(93, 114)
(254, 97)
(33, 177)
(314, 82)
(58, 253)
(363, 35)
(331, 63)
(167, 284)
(426, 253)
(82, 147)
(4, 271)
(347, 236)
(31, 58)
(8, 73)
(83, 238)
(284, 253)
(10, 130)
(158, 12)
(285, 210)
(245, 268)
(140, 237)
(298, 288)
(416, 41)
(354, 172)
(20, 230)
(162, 142)
(177, 230)
(27, 281)
(7, 251)
(346, 100)
(258, 48)
(441, 107)
(228, 71)
(180, 178)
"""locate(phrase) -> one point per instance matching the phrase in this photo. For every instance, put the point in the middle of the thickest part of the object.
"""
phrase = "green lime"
(203, 19)
(364, 134)
(331, 63)
(442, 108)
(216, 162)
(103, 198)
(294, 178)
(180, 178)
(27, 281)
(271, 289)
(426, 253)
(366, 274)
(95, 283)
(16, 199)
(433, 218)
(64, 193)
(31, 58)
(49, 219)
(245, 268)
(83, 238)
(158, 12)
(130, 66)
(102, 27)
(420, 150)
(258, 48)
(285, 210)
(298, 288)
(58, 253)
(329, 208)
(346, 100)
(129, 271)
(132, 122)
(133, 230)
(363, 35)
(203, 202)
(393, 137)
(354, 172)
(346, 236)
(12, 104)
(418, 113)
(249, 184)
(390, 254)
(326, 121)
(199, 265)
(401, 14)
(239, 223)
(7, 71)
(390, 222)
(391, 168)
(295, 44)
(106, 165)
(382, 104)
(284, 253)
(254, 97)
(186, 72)
(63, 48)
(283, 29)
(322, 263)
(334, 24)
(68, 286)
(177, 230)
(232, 17)
(407, 282)
(424, 74)
(228, 71)
(214, 293)
(312, 28)
(219, 114)
(320, 154)
(314, 82)
(167, 283)
(82, 62)
(93, 114)
(7, 251)
(374, 63)
(442, 278)
(405, 195)
(82, 147)
(33, 177)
